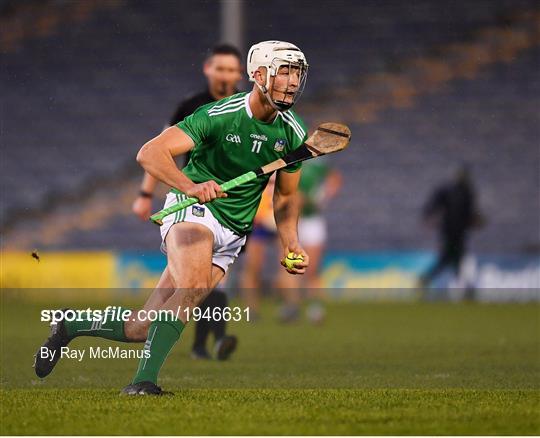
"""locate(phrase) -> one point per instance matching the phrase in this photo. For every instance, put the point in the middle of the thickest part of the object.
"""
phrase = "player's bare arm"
(142, 206)
(286, 212)
(157, 158)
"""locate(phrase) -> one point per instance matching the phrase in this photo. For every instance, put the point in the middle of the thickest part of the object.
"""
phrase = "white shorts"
(312, 230)
(227, 244)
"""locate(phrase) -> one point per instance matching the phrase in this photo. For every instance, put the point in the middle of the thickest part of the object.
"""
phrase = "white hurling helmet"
(273, 55)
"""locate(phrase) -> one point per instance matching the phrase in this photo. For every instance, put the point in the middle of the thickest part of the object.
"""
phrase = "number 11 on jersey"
(256, 146)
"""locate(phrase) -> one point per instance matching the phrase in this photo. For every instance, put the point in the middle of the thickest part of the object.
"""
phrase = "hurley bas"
(95, 353)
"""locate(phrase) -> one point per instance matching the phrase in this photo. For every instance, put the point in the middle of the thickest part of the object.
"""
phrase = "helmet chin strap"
(265, 90)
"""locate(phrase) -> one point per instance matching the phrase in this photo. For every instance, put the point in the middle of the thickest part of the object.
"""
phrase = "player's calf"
(137, 330)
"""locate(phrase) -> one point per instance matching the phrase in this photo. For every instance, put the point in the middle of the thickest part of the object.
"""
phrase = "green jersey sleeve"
(197, 125)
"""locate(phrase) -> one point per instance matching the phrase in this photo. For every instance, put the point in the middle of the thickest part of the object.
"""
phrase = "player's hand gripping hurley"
(328, 138)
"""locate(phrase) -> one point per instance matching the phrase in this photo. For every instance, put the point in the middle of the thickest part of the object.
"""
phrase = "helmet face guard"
(273, 56)
(284, 99)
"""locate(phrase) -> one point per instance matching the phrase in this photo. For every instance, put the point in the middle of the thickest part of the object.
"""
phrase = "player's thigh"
(189, 255)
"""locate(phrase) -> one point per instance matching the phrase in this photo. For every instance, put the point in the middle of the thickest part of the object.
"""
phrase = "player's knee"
(186, 280)
(195, 295)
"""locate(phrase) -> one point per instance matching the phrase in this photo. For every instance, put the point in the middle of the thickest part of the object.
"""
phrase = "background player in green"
(226, 139)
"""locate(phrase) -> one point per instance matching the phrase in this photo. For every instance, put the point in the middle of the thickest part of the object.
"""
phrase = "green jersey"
(229, 141)
(311, 183)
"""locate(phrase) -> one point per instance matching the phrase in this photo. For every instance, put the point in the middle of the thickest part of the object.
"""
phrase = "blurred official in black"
(223, 71)
(452, 207)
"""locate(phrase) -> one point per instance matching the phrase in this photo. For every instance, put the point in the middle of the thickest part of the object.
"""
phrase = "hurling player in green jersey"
(226, 139)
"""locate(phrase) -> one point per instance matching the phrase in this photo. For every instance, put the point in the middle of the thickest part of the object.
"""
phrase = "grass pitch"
(370, 369)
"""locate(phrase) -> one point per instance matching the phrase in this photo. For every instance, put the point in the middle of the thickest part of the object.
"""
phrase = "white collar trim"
(248, 108)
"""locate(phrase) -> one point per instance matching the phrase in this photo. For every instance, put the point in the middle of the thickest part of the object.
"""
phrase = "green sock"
(162, 335)
(112, 328)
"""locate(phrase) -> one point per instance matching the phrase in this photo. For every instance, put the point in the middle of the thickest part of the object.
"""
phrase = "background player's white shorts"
(312, 230)
(227, 244)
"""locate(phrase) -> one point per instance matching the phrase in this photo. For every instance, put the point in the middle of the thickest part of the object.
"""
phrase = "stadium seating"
(80, 103)
(491, 122)
(345, 40)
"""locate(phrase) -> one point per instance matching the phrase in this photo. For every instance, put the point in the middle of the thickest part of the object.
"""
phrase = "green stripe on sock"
(162, 335)
(112, 328)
